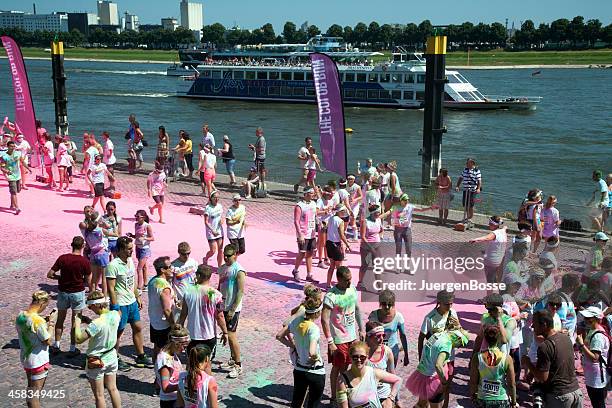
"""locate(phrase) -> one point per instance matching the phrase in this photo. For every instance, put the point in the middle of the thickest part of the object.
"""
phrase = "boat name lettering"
(228, 83)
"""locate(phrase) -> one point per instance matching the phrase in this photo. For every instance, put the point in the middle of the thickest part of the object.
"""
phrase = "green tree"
(481, 34)
(410, 35)
(214, 33)
(268, 33)
(183, 36)
(592, 31)
(525, 37)
(542, 34)
(360, 33)
(559, 30)
(465, 33)
(425, 30)
(575, 30)
(334, 30)
(386, 36)
(347, 34)
(373, 35)
(313, 31)
(606, 34)
(498, 35)
(76, 38)
(290, 32)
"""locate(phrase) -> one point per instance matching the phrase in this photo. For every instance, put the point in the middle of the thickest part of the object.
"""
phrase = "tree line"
(559, 34)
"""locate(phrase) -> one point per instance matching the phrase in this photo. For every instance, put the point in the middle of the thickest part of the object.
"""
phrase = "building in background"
(149, 27)
(130, 21)
(81, 22)
(192, 18)
(169, 23)
(108, 13)
(33, 22)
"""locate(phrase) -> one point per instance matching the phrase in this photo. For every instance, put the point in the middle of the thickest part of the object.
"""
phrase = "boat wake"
(118, 72)
(137, 95)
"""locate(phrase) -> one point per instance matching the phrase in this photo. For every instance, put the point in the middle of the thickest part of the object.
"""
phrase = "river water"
(554, 148)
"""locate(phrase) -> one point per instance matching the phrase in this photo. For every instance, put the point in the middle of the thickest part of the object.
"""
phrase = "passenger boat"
(273, 76)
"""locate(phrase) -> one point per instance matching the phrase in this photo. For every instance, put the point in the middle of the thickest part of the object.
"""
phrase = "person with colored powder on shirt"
(235, 221)
(202, 306)
(102, 362)
(34, 340)
(232, 278)
(12, 163)
(156, 189)
(74, 271)
(304, 219)
(183, 269)
(393, 323)
(340, 313)
(160, 305)
(168, 365)
(495, 316)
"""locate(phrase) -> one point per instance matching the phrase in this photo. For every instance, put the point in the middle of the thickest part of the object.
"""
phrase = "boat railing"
(512, 98)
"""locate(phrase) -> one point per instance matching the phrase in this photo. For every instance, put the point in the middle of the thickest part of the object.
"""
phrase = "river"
(554, 148)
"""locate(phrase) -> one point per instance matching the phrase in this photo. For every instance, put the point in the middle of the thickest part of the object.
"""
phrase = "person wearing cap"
(12, 161)
(302, 336)
(95, 175)
(156, 188)
(596, 254)
(335, 241)
(160, 304)
(600, 200)
(72, 271)
(595, 350)
(302, 156)
(232, 280)
(23, 147)
(250, 184)
(227, 154)
(471, 183)
(401, 219)
(554, 370)
(34, 340)
(432, 376)
(207, 165)
(304, 221)
(213, 214)
(495, 316)
(496, 248)
(235, 221)
(492, 378)
(102, 362)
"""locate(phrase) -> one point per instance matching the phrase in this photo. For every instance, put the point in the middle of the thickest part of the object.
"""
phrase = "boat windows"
(262, 74)
(298, 76)
(420, 79)
(206, 74)
(254, 90)
(361, 77)
(298, 91)
(285, 76)
(409, 78)
(250, 74)
(349, 93)
(263, 91)
(384, 94)
(310, 92)
(452, 79)
(385, 77)
(467, 96)
(360, 93)
(409, 95)
(372, 94)
(396, 94)
(273, 90)
(274, 75)
(216, 74)
(372, 77)
(349, 77)
(238, 74)
(420, 96)
(286, 91)
(397, 78)
(309, 76)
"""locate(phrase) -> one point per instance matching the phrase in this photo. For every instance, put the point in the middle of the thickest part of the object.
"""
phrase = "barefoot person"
(304, 217)
(156, 188)
(34, 341)
(12, 163)
(101, 366)
(74, 273)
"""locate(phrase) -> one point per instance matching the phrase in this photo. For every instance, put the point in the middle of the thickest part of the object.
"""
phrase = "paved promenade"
(31, 241)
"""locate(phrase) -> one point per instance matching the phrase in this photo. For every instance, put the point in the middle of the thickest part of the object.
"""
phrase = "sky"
(254, 13)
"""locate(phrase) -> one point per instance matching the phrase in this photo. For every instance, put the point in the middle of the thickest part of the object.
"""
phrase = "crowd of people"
(547, 326)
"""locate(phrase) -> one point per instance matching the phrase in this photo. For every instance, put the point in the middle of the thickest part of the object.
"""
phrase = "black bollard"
(433, 125)
(59, 87)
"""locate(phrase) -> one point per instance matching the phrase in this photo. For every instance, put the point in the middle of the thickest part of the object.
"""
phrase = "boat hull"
(491, 105)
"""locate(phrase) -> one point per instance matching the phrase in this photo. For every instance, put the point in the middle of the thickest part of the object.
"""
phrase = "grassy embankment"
(494, 58)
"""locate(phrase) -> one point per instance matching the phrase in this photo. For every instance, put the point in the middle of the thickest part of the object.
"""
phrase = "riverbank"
(456, 59)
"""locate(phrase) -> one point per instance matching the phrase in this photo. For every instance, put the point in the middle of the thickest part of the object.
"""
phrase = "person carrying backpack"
(595, 349)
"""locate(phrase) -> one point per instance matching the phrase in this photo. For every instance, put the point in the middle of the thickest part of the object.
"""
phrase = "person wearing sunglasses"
(380, 356)
(235, 221)
(492, 381)
(393, 323)
(168, 366)
(160, 304)
(183, 271)
(302, 336)
(431, 379)
(495, 316)
(358, 386)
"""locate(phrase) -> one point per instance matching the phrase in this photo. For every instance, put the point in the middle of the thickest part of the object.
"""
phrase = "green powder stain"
(17, 265)
(258, 379)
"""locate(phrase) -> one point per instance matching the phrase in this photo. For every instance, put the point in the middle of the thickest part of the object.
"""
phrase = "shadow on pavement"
(278, 279)
(283, 257)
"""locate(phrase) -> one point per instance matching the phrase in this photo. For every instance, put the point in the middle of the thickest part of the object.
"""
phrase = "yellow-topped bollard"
(57, 48)
(436, 45)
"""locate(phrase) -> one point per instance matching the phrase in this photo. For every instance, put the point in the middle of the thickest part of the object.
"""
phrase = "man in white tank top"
(304, 218)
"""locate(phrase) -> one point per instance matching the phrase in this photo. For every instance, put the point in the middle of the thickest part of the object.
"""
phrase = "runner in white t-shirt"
(156, 188)
(302, 156)
(235, 221)
(95, 175)
(213, 214)
(108, 152)
(304, 221)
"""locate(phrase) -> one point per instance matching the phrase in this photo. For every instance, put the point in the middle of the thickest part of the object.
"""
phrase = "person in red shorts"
(340, 319)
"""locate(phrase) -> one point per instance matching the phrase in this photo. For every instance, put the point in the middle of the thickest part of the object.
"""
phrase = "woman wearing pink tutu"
(430, 379)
